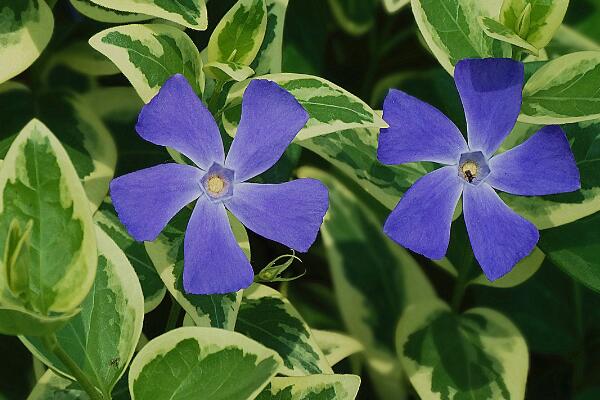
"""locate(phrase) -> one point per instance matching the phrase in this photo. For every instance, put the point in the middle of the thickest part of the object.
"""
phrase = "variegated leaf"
(52, 386)
(314, 387)
(103, 14)
(269, 318)
(336, 346)
(544, 17)
(152, 286)
(201, 361)
(18, 320)
(268, 59)
(354, 152)
(479, 354)
(25, 31)
(239, 35)
(102, 338)
(452, 31)
(39, 183)
(150, 54)
(189, 13)
(565, 90)
(227, 71)
(166, 253)
(330, 107)
(496, 30)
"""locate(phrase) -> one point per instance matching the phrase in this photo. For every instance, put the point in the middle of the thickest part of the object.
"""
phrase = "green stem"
(173, 315)
(51, 342)
(462, 281)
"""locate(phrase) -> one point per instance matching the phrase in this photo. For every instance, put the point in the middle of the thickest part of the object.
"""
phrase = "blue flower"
(491, 93)
(290, 213)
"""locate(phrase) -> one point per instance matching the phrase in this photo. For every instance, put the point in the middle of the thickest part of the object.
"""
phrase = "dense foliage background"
(354, 280)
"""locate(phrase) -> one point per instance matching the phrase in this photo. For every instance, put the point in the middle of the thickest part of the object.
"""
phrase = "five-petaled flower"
(491, 93)
(290, 213)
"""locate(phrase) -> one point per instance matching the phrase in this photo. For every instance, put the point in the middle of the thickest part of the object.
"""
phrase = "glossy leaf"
(269, 318)
(152, 286)
(52, 386)
(565, 90)
(330, 107)
(496, 30)
(227, 71)
(452, 31)
(239, 35)
(217, 363)
(150, 54)
(166, 253)
(101, 339)
(189, 13)
(268, 59)
(25, 31)
(104, 14)
(479, 354)
(314, 387)
(39, 183)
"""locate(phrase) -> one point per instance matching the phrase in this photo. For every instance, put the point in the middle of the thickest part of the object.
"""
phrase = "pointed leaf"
(496, 30)
(104, 14)
(268, 59)
(336, 346)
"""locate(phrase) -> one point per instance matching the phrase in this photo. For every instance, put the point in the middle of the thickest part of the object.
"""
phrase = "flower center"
(473, 167)
(215, 184)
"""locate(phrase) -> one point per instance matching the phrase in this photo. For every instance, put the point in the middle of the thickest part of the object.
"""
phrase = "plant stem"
(51, 343)
(173, 315)
(462, 281)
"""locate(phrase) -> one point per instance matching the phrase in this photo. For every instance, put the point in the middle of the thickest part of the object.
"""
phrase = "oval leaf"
(101, 339)
(217, 363)
(39, 183)
(330, 107)
(479, 354)
(315, 387)
(189, 13)
(26, 29)
(104, 14)
(269, 318)
(240, 34)
(150, 54)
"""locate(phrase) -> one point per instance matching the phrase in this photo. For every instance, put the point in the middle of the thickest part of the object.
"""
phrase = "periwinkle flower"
(491, 93)
(289, 213)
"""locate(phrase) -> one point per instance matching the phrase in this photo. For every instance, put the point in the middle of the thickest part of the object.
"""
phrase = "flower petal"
(544, 164)
(500, 237)
(271, 118)
(491, 93)
(417, 132)
(177, 118)
(290, 213)
(146, 200)
(421, 221)
(213, 262)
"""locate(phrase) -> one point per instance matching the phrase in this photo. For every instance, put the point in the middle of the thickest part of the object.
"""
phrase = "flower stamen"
(215, 184)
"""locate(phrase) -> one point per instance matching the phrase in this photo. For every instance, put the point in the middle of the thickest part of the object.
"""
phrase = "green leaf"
(189, 13)
(521, 272)
(336, 346)
(355, 16)
(152, 286)
(227, 71)
(330, 107)
(269, 318)
(452, 31)
(575, 248)
(268, 59)
(496, 30)
(86, 139)
(393, 6)
(555, 210)
(54, 387)
(354, 152)
(25, 31)
(219, 364)
(314, 387)
(17, 320)
(477, 355)
(104, 14)
(565, 90)
(166, 253)
(150, 54)
(101, 339)
(39, 183)
(545, 17)
(239, 35)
